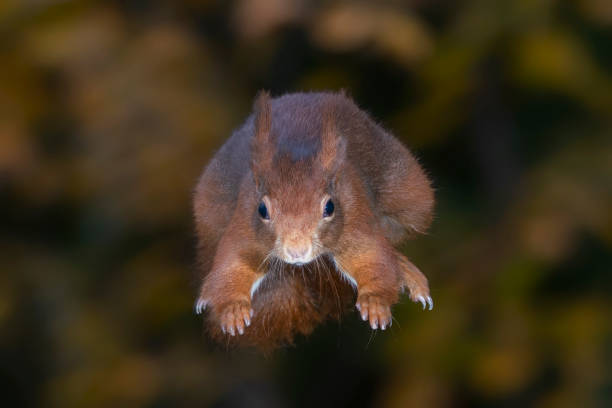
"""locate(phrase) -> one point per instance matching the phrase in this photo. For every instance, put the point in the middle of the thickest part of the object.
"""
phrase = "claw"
(247, 322)
(430, 302)
(422, 300)
(200, 306)
(363, 312)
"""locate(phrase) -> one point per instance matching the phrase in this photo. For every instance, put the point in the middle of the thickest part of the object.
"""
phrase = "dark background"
(110, 110)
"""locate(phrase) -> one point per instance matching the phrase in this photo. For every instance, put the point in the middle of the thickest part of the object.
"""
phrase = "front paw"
(235, 316)
(375, 309)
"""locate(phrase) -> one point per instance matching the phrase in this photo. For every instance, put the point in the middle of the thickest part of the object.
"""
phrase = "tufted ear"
(333, 145)
(262, 145)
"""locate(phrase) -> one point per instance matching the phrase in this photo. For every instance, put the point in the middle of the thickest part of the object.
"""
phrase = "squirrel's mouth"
(298, 262)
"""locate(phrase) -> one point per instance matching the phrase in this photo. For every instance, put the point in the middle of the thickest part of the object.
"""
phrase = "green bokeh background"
(110, 110)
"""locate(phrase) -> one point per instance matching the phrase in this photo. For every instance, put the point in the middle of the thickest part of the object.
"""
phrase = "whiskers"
(271, 265)
(372, 336)
(321, 268)
(265, 262)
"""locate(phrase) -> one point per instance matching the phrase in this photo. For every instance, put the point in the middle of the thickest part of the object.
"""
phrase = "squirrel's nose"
(300, 254)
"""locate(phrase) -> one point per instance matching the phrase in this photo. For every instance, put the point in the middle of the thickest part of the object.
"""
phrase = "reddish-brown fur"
(293, 154)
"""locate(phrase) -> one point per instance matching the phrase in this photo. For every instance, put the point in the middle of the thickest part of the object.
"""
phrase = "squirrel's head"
(299, 202)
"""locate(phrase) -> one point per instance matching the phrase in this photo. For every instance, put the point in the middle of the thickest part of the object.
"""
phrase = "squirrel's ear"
(262, 147)
(333, 145)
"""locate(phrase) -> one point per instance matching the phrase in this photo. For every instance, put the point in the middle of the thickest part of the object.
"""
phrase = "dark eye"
(329, 208)
(263, 211)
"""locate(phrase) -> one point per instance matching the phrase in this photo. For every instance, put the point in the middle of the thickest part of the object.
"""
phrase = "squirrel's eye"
(263, 211)
(329, 208)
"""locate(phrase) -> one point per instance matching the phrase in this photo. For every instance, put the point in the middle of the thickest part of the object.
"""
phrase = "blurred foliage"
(110, 110)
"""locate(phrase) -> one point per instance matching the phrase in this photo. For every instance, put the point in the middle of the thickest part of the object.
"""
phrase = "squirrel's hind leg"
(416, 283)
(405, 200)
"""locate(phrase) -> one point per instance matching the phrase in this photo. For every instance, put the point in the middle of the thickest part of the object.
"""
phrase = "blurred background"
(110, 110)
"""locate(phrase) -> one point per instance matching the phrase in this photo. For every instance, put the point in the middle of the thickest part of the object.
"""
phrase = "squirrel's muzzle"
(297, 254)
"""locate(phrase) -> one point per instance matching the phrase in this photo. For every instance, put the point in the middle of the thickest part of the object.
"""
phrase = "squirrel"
(299, 214)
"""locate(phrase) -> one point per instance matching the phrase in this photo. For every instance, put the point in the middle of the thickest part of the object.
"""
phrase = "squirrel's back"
(296, 130)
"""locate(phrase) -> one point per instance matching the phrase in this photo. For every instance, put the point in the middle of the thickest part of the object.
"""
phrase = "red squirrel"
(299, 213)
